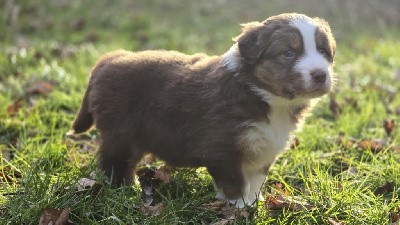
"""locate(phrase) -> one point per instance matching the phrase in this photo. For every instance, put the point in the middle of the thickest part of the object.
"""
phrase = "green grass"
(46, 43)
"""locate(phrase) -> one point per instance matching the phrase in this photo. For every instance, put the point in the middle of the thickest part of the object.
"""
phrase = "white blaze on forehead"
(312, 59)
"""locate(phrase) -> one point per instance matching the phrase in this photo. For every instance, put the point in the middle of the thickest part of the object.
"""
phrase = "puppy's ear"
(251, 42)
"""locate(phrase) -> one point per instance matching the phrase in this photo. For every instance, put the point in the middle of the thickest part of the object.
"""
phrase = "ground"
(344, 168)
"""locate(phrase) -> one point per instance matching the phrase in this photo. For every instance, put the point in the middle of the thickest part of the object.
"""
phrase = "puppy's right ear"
(251, 42)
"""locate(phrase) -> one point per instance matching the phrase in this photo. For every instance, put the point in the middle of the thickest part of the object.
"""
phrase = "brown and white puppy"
(232, 114)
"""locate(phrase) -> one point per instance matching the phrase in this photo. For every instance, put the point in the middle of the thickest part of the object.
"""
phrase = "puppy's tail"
(84, 119)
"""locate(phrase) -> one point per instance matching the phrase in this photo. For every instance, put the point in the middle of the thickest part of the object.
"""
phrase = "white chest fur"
(265, 139)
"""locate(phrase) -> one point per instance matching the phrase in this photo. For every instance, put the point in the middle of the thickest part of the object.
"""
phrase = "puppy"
(232, 114)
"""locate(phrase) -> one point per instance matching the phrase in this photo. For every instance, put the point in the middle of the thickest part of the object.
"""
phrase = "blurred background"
(189, 26)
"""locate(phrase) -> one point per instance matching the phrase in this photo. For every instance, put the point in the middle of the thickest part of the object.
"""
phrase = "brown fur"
(188, 110)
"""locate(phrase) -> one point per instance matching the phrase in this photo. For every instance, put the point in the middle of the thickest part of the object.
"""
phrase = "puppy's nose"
(318, 76)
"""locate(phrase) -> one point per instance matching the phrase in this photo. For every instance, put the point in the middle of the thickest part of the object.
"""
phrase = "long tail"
(84, 119)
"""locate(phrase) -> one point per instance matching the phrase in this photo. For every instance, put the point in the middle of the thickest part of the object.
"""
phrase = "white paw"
(240, 203)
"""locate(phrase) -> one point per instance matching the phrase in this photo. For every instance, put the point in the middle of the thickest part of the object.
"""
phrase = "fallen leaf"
(84, 184)
(163, 173)
(334, 106)
(215, 206)
(40, 88)
(389, 126)
(277, 203)
(6, 177)
(385, 188)
(14, 107)
(396, 149)
(395, 216)
(332, 221)
(375, 146)
(12, 170)
(295, 143)
(152, 210)
(54, 216)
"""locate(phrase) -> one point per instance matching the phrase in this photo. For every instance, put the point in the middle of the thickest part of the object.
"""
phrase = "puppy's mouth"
(316, 91)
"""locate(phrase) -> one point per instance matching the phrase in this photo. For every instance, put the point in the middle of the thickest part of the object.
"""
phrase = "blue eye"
(289, 53)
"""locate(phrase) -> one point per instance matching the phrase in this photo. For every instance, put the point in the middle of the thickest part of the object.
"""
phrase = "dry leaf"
(375, 146)
(396, 149)
(332, 221)
(295, 143)
(152, 210)
(12, 170)
(54, 216)
(40, 88)
(395, 216)
(389, 126)
(385, 188)
(6, 177)
(163, 173)
(14, 107)
(277, 203)
(84, 184)
(215, 206)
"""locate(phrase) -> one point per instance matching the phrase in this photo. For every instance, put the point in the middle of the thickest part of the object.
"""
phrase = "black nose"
(318, 76)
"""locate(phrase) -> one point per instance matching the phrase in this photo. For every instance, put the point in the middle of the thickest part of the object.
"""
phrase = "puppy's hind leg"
(118, 158)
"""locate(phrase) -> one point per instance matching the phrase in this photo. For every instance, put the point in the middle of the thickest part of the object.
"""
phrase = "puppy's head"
(291, 55)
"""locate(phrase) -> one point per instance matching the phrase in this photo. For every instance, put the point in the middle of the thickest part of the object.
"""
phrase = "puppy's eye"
(289, 53)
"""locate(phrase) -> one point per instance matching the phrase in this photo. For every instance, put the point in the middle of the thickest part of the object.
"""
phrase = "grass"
(57, 42)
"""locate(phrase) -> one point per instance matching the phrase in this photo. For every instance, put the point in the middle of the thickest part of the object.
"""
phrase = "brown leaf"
(6, 177)
(332, 221)
(395, 216)
(14, 107)
(274, 203)
(12, 170)
(40, 88)
(215, 206)
(375, 146)
(334, 106)
(385, 188)
(152, 210)
(295, 143)
(396, 149)
(163, 173)
(54, 216)
(389, 126)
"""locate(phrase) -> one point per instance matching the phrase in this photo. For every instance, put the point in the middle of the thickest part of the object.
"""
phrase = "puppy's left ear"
(251, 41)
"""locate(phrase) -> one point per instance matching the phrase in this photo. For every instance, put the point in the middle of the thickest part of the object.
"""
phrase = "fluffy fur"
(232, 114)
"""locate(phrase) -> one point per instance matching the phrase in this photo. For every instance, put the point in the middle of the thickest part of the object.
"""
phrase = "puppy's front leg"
(235, 189)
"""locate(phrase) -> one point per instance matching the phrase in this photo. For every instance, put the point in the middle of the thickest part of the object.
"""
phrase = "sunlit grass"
(338, 182)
